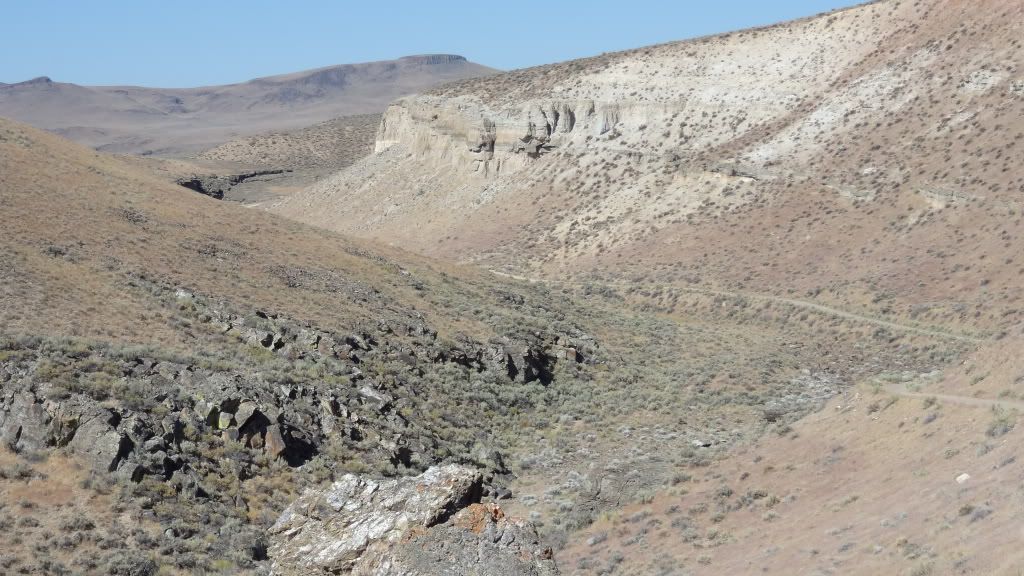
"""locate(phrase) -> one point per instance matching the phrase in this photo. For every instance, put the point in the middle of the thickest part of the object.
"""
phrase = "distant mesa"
(39, 80)
(433, 59)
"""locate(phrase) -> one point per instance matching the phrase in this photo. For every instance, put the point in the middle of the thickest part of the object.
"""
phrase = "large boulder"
(23, 422)
(431, 524)
(102, 445)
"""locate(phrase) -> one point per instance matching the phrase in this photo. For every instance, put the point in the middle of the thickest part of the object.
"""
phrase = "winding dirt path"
(813, 306)
(902, 390)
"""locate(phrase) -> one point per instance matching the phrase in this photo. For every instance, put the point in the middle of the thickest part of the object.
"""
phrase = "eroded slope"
(204, 362)
(865, 159)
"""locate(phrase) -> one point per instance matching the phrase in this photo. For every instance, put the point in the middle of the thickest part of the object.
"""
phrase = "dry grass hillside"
(81, 223)
(912, 474)
(168, 313)
(866, 159)
(327, 146)
(59, 505)
(835, 182)
(305, 156)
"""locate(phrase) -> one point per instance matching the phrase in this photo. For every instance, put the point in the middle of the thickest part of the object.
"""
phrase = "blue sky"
(177, 43)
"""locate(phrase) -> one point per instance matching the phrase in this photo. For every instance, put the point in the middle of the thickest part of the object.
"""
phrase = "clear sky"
(179, 43)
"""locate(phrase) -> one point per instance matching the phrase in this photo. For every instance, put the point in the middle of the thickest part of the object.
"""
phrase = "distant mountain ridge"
(147, 120)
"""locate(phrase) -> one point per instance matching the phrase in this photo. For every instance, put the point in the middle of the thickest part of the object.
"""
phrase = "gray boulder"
(102, 445)
(24, 423)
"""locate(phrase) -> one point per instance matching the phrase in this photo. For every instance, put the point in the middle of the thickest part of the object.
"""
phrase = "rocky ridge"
(190, 430)
(652, 105)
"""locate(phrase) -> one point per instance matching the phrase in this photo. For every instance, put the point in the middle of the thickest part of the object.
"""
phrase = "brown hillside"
(900, 475)
(863, 165)
(131, 296)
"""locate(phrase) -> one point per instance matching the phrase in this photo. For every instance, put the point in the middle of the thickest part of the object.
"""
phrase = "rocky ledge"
(216, 186)
(431, 524)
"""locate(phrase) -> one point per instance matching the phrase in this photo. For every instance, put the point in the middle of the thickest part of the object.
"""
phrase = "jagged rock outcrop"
(216, 186)
(431, 524)
(283, 397)
(48, 400)
(486, 141)
(530, 358)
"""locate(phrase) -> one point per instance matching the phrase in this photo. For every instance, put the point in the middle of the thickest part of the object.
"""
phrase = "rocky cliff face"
(431, 524)
(54, 398)
(623, 101)
(589, 143)
(482, 140)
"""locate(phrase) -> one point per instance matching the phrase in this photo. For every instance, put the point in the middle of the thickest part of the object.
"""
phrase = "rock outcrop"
(291, 421)
(216, 186)
(277, 396)
(431, 524)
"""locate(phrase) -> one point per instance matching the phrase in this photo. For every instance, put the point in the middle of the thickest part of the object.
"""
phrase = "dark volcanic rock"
(217, 186)
(274, 395)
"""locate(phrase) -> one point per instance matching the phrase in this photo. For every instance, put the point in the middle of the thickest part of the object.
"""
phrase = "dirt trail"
(902, 390)
(934, 332)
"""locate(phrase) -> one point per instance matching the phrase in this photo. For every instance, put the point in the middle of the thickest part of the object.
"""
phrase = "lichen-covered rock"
(275, 443)
(479, 541)
(23, 422)
(403, 526)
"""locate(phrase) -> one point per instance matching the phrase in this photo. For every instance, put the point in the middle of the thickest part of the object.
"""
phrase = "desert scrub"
(1003, 421)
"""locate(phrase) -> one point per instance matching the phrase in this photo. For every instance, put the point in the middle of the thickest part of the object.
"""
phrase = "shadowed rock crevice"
(217, 186)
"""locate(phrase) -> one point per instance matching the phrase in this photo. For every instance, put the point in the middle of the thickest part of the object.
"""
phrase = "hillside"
(872, 153)
(178, 357)
(748, 303)
(304, 155)
(330, 146)
(859, 169)
(161, 121)
(910, 474)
